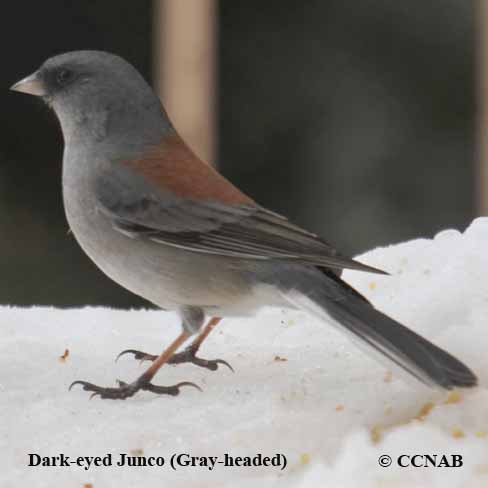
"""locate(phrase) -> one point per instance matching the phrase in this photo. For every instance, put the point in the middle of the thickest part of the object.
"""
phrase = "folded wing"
(146, 208)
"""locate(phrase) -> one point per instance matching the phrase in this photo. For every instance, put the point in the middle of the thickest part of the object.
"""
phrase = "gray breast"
(167, 276)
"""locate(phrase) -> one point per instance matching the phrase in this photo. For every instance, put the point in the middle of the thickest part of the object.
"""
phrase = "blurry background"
(355, 119)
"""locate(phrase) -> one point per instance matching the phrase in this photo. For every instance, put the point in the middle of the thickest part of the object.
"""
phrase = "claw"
(137, 355)
(82, 383)
(189, 383)
(86, 386)
(170, 390)
(216, 362)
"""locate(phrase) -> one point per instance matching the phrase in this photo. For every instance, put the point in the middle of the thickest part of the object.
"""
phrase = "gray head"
(99, 96)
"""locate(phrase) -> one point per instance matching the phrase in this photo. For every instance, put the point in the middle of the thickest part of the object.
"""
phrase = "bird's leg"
(188, 355)
(126, 390)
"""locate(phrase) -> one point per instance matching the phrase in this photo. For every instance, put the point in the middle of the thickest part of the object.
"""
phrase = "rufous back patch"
(173, 166)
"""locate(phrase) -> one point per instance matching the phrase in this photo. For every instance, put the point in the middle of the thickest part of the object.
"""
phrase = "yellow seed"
(304, 458)
(376, 434)
(453, 397)
(424, 411)
(457, 433)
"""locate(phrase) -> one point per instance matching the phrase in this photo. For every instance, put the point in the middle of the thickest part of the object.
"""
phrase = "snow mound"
(299, 388)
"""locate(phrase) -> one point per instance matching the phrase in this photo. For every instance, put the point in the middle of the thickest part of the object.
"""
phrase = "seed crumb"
(453, 397)
(304, 458)
(64, 356)
(457, 433)
(280, 359)
(424, 411)
(376, 434)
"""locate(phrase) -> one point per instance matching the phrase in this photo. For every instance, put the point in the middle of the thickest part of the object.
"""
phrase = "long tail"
(428, 363)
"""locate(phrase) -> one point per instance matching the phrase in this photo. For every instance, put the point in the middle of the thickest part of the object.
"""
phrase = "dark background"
(356, 119)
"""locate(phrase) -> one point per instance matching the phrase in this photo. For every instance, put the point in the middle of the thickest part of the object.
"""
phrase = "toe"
(169, 390)
(137, 355)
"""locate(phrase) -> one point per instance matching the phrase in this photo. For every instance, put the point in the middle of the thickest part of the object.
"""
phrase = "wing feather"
(246, 231)
(171, 197)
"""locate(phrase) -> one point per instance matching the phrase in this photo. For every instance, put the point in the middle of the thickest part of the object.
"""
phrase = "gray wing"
(139, 210)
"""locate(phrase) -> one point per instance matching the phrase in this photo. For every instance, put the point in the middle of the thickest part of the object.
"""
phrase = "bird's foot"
(188, 355)
(126, 390)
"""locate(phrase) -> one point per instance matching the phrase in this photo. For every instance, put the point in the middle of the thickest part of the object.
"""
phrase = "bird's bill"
(31, 84)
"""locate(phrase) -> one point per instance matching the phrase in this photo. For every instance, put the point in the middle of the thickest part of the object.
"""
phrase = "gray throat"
(113, 132)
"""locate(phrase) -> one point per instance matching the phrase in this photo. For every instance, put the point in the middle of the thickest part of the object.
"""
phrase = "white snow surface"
(300, 388)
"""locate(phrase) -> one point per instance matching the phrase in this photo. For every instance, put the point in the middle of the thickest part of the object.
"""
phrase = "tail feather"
(416, 355)
(420, 358)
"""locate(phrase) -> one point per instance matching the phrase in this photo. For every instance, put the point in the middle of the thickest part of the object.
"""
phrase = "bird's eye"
(64, 76)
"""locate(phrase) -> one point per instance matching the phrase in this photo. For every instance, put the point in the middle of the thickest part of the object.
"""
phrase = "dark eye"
(64, 76)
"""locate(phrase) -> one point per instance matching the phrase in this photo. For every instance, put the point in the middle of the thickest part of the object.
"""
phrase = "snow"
(299, 388)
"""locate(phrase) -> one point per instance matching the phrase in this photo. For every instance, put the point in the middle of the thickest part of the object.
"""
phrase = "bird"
(170, 228)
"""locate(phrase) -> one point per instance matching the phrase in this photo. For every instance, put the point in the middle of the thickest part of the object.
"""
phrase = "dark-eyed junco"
(168, 227)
